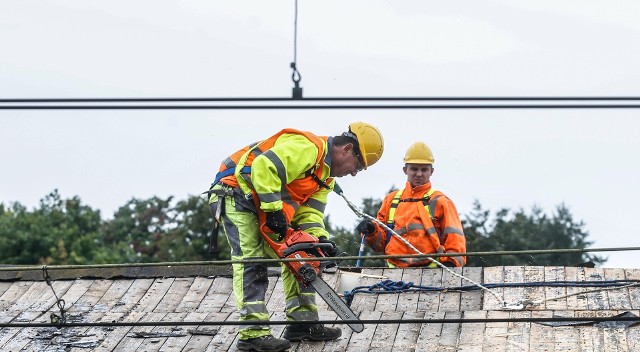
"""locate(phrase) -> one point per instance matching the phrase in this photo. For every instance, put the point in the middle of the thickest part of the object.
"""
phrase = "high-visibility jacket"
(289, 171)
(424, 217)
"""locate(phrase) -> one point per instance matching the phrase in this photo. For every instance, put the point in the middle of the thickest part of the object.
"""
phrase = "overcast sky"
(514, 158)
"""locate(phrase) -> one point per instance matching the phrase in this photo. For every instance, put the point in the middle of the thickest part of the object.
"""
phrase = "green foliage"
(518, 231)
(58, 232)
(64, 231)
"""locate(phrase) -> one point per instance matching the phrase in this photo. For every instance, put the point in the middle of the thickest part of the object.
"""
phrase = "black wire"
(314, 107)
(260, 99)
(353, 321)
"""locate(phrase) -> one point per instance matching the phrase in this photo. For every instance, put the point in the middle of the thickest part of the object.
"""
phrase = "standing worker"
(280, 182)
(424, 217)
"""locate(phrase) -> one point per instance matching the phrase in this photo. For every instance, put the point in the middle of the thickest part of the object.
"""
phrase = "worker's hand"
(449, 264)
(329, 251)
(366, 227)
(277, 222)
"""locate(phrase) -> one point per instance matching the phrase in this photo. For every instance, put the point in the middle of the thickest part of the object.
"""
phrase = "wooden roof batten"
(419, 320)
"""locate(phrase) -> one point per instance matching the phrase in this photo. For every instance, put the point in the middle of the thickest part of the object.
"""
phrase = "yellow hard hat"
(370, 141)
(419, 153)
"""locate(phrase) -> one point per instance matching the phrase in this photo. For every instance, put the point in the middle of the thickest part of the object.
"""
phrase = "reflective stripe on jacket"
(277, 174)
(425, 218)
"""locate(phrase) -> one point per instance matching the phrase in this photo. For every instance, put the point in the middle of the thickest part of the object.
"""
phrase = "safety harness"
(428, 205)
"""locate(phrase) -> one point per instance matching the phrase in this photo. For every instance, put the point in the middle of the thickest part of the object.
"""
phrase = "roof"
(181, 295)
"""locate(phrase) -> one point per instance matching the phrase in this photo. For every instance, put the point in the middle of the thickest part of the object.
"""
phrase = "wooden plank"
(276, 297)
(471, 300)
(131, 298)
(514, 274)
(472, 334)
(113, 295)
(633, 338)
(339, 344)
(195, 342)
(596, 300)
(385, 334)
(534, 294)
(495, 335)
(87, 301)
(220, 291)
(362, 341)
(615, 340)
(155, 294)
(591, 339)
(194, 295)
(177, 344)
(225, 338)
(430, 300)
(408, 333)
(129, 343)
(110, 338)
(4, 286)
(555, 274)
(541, 336)
(518, 333)
(618, 297)
(35, 291)
(448, 340)
(273, 282)
(158, 343)
(566, 338)
(388, 302)
(493, 275)
(13, 293)
(20, 337)
(450, 300)
(576, 300)
(429, 332)
(634, 292)
(174, 295)
(409, 301)
(364, 302)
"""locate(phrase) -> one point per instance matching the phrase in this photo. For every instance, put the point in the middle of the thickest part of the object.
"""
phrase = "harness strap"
(228, 172)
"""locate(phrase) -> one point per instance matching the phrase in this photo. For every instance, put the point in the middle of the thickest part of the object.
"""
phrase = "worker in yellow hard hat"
(280, 182)
(424, 217)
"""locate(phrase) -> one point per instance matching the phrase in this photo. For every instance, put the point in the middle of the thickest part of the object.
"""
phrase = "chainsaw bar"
(336, 303)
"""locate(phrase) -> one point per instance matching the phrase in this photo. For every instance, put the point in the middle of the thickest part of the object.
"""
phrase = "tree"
(57, 232)
(519, 231)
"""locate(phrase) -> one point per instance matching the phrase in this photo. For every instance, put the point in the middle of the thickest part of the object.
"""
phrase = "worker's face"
(345, 161)
(418, 174)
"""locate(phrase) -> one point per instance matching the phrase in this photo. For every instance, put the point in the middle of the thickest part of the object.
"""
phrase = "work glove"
(277, 222)
(449, 264)
(329, 251)
(366, 227)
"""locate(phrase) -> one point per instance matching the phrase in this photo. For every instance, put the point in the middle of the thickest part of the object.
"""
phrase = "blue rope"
(389, 286)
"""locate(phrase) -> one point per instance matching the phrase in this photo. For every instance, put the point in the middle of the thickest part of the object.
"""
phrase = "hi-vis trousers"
(239, 222)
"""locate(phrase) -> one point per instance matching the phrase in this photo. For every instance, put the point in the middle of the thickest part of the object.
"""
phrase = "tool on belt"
(301, 245)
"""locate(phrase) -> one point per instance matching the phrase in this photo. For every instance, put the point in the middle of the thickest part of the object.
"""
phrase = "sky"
(586, 159)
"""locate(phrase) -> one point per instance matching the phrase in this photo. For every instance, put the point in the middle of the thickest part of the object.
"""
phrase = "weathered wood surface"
(211, 299)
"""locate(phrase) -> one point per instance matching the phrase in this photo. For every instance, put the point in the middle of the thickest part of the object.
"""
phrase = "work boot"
(264, 344)
(313, 332)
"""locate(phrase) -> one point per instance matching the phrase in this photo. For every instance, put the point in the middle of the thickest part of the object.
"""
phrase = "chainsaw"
(301, 245)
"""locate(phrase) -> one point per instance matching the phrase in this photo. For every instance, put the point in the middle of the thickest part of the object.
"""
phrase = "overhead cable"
(320, 103)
